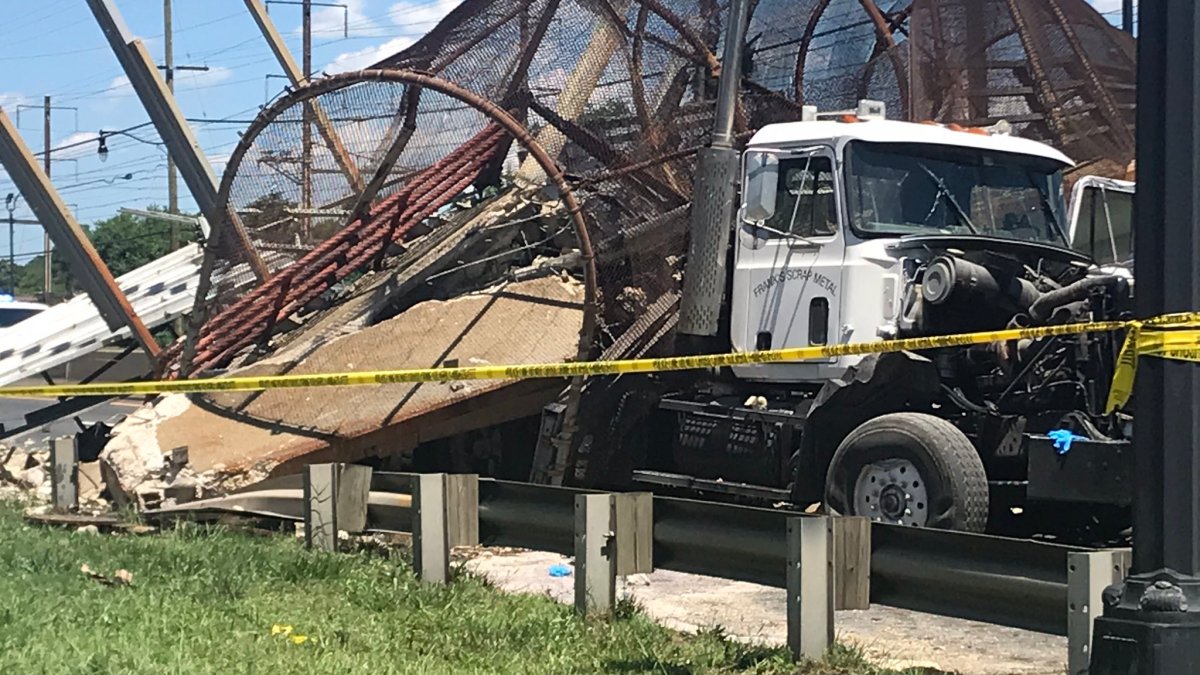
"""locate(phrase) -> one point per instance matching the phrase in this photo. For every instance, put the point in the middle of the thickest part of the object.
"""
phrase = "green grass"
(204, 600)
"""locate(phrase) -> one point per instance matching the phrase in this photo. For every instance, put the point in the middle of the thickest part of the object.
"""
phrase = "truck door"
(788, 259)
(1102, 220)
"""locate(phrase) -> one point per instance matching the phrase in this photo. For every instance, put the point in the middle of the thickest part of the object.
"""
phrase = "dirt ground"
(891, 637)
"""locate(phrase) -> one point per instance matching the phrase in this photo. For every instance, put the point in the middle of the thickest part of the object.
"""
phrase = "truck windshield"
(908, 188)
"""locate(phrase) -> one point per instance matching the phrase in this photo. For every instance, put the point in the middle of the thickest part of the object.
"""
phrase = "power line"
(105, 134)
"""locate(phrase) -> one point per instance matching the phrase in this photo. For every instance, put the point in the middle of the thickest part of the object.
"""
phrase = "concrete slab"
(534, 321)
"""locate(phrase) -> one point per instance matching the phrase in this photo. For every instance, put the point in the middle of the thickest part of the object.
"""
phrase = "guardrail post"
(809, 586)
(462, 509)
(634, 531)
(64, 474)
(445, 514)
(431, 534)
(1088, 574)
(595, 553)
(852, 562)
(335, 499)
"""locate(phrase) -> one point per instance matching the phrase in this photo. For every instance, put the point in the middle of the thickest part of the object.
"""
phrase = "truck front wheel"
(910, 469)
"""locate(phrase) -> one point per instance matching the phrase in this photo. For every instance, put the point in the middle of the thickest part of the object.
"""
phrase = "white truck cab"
(825, 203)
(1102, 222)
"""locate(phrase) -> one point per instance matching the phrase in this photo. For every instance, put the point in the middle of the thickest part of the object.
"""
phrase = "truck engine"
(950, 291)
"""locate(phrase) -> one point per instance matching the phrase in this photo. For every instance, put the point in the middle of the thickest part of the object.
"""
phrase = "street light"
(10, 203)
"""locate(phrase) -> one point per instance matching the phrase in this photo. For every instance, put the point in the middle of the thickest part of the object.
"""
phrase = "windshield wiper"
(944, 192)
(1048, 209)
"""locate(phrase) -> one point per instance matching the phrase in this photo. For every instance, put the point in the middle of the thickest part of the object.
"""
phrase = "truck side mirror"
(760, 186)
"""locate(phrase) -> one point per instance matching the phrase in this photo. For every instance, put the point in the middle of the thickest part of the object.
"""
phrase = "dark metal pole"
(713, 201)
(47, 279)
(731, 74)
(12, 248)
(1127, 16)
(306, 174)
(169, 73)
(1151, 622)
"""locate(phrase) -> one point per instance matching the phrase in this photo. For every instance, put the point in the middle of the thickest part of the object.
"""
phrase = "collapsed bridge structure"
(515, 188)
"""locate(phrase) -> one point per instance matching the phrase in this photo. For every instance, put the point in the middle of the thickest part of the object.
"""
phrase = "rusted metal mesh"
(389, 240)
(297, 203)
(1054, 68)
(620, 93)
(615, 84)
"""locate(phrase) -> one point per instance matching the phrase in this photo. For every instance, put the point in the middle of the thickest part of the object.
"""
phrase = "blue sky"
(54, 47)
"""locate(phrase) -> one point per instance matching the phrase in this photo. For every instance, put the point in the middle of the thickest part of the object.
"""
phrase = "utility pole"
(1151, 622)
(169, 65)
(306, 139)
(47, 278)
(11, 204)
(169, 69)
(312, 112)
(298, 78)
(1127, 16)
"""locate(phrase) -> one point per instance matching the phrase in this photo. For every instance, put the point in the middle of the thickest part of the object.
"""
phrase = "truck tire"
(911, 469)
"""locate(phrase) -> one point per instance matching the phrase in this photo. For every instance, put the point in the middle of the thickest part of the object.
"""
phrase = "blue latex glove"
(560, 570)
(1062, 440)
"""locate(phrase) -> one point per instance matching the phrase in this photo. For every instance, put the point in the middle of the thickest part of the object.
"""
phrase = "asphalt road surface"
(13, 411)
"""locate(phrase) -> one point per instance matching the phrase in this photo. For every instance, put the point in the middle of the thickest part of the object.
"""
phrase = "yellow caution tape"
(1175, 336)
(1170, 336)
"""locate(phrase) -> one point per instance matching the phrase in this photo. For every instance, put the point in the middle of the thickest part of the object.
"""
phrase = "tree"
(267, 218)
(607, 112)
(29, 276)
(126, 242)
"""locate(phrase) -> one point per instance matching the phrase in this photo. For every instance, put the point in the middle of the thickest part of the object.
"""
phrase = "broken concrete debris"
(179, 449)
(132, 461)
(138, 473)
(25, 475)
(16, 461)
(32, 478)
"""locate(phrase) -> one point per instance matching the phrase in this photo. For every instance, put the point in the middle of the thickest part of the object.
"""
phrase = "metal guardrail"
(523, 515)
(721, 540)
(996, 580)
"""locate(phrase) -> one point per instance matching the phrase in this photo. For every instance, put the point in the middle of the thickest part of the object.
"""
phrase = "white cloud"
(9, 100)
(334, 22)
(81, 145)
(420, 15)
(359, 59)
(119, 86)
(413, 17)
